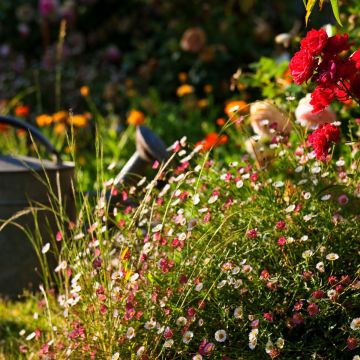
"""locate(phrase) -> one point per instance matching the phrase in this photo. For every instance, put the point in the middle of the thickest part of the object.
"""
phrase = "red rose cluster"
(321, 59)
(322, 138)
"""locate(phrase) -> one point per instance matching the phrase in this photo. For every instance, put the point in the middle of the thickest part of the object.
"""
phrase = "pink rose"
(305, 115)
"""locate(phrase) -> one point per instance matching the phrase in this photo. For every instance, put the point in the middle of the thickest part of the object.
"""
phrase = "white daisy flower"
(238, 312)
(187, 337)
(181, 321)
(307, 254)
(220, 335)
(355, 324)
(130, 333)
(332, 257)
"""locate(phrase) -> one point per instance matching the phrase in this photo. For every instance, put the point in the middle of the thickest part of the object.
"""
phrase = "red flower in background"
(315, 41)
(22, 111)
(211, 140)
(322, 138)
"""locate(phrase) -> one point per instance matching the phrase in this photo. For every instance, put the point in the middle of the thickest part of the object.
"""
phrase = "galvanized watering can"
(26, 182)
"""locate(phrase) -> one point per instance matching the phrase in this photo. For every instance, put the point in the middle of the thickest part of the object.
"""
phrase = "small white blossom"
(220, 335)
(45, 248)
(332, 257)
(307, 254)
(355, 324)
(320, 266)
(326, 197)
(181, 321)
(238, 313)
(168, 343)
(187, 337)
(290, 208)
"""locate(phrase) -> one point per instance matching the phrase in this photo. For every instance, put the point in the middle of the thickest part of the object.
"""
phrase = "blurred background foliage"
(172, 60)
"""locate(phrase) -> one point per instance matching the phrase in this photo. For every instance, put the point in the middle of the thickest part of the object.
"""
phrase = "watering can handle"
(34, 132)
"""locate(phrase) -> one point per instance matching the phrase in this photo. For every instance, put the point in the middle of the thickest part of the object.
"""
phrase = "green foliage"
(309, 6)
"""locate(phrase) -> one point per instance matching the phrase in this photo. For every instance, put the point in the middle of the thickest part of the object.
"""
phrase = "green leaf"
(309, 6)
(335, 8)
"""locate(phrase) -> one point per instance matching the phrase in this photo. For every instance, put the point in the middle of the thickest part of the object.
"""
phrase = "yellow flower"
(236, 106)
(85, 91)
(78, 120)
(184, 90)
(44, 120)
(60, 116)
(136, 118)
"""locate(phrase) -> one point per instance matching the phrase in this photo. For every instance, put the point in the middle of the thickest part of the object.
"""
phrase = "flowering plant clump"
(325, 61)
(213, 262)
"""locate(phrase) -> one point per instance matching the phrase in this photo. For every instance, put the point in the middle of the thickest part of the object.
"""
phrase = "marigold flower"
(85, 91)
(78, 120)
(44, 120)
(185, 89)
(236, 106)
(60, 116)
(136, 118)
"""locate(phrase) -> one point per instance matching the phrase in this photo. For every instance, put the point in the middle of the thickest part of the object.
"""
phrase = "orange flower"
(236, 106)
(22, 111)
(136, 118)
(182, 76)
(208, 88)
(60, 129)
(203, 103)
(185, 89)
(44, 120)
(286, 78)
(60, 116)
(85, 91)
(220, 121)
(211, 140)
(78, 120)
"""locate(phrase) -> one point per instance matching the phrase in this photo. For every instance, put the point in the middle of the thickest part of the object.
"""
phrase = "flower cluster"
(322, 59)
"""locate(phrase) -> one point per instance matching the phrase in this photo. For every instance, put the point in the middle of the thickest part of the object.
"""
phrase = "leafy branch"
(309, 6)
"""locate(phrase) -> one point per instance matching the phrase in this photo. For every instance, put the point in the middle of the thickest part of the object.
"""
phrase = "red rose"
(302, 66)
(355, 57)
(322, 138)
(355, 86)
(336, 44)
(322, 97)
(315, 41)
